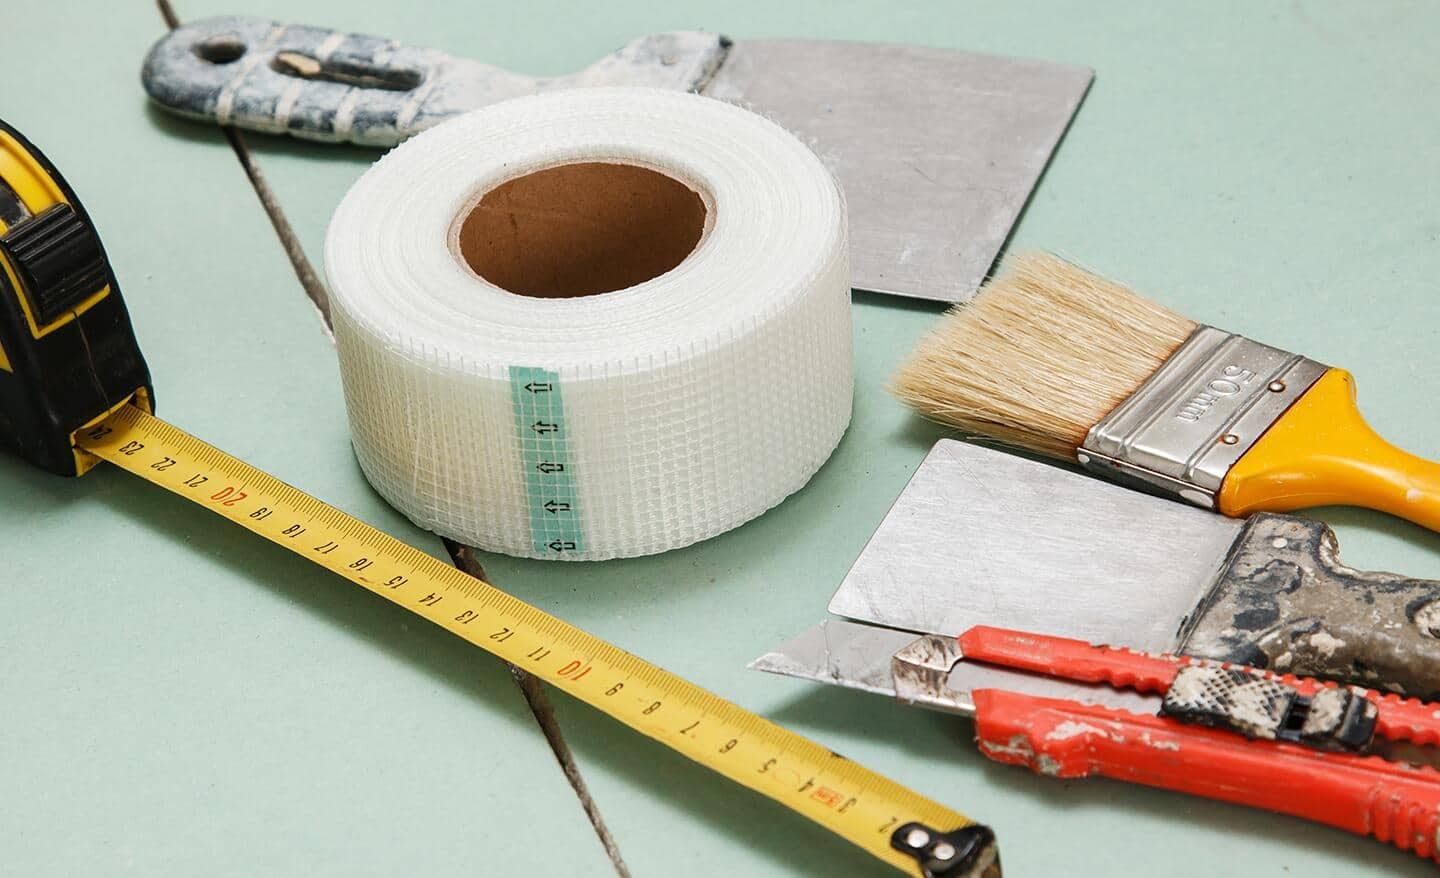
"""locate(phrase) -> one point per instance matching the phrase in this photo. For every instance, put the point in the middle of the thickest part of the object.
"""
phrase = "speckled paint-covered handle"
(1367, 795)
(1285, 603)
(321, 84)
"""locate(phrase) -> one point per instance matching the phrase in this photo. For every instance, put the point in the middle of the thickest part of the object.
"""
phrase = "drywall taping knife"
(74, 390)
(981, 537)
(937, 150)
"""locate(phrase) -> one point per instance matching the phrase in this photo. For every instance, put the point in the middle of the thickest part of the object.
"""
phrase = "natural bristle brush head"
(1040, 355)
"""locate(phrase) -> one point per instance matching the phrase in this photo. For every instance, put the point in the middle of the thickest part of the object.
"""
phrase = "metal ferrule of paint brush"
(1199, 414)
(1058, 360)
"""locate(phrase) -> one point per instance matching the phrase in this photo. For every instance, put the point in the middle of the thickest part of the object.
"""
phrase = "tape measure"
(74, 390)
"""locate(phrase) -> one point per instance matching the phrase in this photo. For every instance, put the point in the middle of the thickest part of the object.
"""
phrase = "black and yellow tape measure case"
(68, 355)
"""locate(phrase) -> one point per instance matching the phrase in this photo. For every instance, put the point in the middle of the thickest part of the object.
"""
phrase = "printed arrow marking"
(547, 467)
(554, 507)
(562, 545)
(542, 428)
(539, 387)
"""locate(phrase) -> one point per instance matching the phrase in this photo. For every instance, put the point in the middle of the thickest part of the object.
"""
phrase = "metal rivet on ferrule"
(943, 851)
(1277, 387)
(1229, 438)
(917, 838)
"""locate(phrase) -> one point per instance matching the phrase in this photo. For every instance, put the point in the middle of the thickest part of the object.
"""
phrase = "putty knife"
(937, 150)
(981, 537)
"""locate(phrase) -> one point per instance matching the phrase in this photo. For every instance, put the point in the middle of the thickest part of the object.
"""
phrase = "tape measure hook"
(965, 852)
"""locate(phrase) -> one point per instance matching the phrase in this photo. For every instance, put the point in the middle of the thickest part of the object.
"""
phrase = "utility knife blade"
(863, 657)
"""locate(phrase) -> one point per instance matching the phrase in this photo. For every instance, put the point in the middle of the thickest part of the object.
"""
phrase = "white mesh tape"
(689, 403)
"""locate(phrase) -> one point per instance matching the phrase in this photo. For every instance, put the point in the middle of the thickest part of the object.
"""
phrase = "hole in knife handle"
(300, 65)
(224, 49)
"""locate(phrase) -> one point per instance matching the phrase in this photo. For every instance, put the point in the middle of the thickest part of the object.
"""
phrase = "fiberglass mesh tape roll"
(593, 324)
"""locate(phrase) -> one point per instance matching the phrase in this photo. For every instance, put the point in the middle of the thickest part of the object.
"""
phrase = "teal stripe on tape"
(544, 446)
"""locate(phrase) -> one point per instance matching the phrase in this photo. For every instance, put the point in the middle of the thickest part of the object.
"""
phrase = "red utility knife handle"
(1070, 659)
(1366, 795)
(1399, 719)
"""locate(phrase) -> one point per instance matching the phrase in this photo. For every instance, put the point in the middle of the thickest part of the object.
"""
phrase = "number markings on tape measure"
(844, 797)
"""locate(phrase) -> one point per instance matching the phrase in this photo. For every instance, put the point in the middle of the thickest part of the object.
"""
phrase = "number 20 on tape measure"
(74, 390)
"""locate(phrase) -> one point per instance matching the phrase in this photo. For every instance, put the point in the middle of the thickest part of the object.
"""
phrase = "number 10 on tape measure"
(74, 390)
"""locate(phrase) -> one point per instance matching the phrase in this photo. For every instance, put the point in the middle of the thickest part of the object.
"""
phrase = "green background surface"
(179, 698)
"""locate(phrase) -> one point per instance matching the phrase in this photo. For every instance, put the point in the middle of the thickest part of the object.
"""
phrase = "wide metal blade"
(937, 150)
(981, 537)
(858, 657)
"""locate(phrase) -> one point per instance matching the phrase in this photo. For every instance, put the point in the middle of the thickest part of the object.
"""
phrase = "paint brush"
(1052, 358)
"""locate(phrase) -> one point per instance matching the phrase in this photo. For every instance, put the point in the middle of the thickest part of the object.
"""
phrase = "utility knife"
(1066, 708)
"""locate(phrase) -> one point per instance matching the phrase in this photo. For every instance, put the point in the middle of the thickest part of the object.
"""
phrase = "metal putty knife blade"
(937, 151)
(982, 537)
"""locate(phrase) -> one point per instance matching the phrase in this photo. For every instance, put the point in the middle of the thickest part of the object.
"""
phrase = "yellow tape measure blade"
(851, 801)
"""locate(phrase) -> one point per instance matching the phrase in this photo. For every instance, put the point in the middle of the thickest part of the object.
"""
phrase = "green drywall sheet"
(1269, 168)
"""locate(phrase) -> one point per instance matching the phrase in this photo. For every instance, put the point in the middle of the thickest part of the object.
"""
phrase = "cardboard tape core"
(581, 229)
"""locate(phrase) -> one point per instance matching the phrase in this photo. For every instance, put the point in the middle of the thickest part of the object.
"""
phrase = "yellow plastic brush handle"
(1321, 452)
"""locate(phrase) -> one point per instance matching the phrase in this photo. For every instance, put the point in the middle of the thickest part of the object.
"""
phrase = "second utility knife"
(980, 537)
